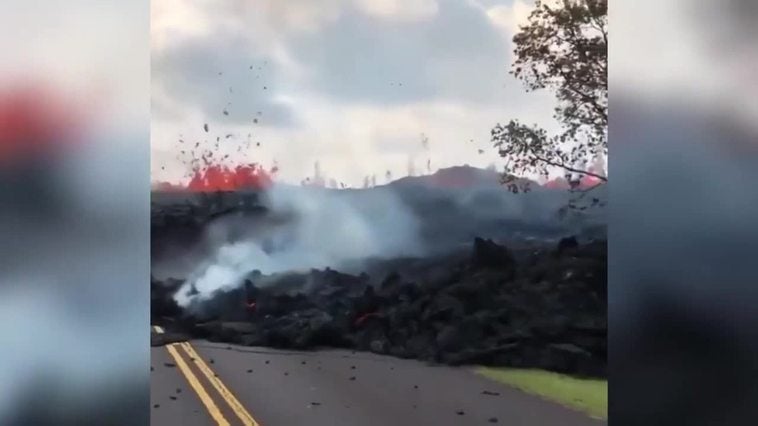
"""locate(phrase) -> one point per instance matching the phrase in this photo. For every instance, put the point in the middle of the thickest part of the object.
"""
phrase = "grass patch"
(587, 395)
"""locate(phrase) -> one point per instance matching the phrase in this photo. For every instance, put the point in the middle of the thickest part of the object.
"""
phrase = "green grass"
(587, 395)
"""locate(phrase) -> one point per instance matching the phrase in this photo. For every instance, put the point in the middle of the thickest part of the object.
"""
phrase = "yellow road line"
(195, 384)
(233, 402)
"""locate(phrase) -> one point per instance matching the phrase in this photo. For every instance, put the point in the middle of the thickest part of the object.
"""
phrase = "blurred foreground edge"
(684, 336)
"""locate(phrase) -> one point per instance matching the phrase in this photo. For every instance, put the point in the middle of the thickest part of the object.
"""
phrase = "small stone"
(267, 361)
(211, 361)
(492, 420)
(415, 386)
(302, 362)
(460, 412)
(151, 368)
(178, 390)
(249, 371)
(490, 393)
(352, 378)
(286, 373)
(156, 405)
(173, 398)
(315, 403)
(169, 364)
(352, 367)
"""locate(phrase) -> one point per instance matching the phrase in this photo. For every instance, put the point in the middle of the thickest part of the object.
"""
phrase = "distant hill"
(450, 177)
(458, 177)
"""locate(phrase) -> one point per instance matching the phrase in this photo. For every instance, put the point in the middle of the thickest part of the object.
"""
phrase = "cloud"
(349, 84)
(364, 60)
(399, 10)
(172, 19)
(352, 141)
(221, 75)
(271, 20)
(509, 19)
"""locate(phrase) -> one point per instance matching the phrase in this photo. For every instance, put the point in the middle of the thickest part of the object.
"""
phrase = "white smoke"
(327, 229)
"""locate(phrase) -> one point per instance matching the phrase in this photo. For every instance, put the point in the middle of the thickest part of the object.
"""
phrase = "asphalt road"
(218, 384)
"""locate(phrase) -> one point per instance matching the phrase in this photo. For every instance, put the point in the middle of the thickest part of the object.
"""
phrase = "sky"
(353, 85)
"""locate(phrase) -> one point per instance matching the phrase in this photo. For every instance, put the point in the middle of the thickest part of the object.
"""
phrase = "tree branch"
(586, 98)
(601, 28)
(569, 168)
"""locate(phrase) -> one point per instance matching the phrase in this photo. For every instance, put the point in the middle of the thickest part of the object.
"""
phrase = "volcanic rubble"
(491, 305)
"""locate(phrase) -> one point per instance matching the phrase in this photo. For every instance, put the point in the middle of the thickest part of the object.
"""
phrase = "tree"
(562, 48)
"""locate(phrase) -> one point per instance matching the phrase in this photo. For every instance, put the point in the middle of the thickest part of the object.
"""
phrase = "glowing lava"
(216, 177)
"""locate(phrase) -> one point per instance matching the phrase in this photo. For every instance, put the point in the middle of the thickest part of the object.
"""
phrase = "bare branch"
(571, 169)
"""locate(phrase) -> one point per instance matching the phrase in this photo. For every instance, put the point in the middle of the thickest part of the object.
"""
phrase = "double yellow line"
(238, 409)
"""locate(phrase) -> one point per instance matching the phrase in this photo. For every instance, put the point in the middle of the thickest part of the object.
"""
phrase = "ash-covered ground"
(472, 275)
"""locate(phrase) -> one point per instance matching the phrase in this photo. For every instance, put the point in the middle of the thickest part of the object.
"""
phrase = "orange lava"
(216, 177)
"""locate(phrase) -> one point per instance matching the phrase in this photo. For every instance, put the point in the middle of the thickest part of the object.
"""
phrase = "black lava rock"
(525, 308)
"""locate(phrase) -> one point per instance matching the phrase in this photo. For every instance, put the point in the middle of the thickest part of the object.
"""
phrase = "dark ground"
(544, 309)
(339, 387)
(540, 305)
(397, 321)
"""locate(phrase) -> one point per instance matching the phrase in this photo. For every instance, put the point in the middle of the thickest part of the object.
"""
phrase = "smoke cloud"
(307, 228)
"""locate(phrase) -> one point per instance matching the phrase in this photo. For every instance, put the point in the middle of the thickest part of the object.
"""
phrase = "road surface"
(200, 383)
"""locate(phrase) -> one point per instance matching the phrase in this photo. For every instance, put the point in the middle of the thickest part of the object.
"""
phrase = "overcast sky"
(351, 84)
